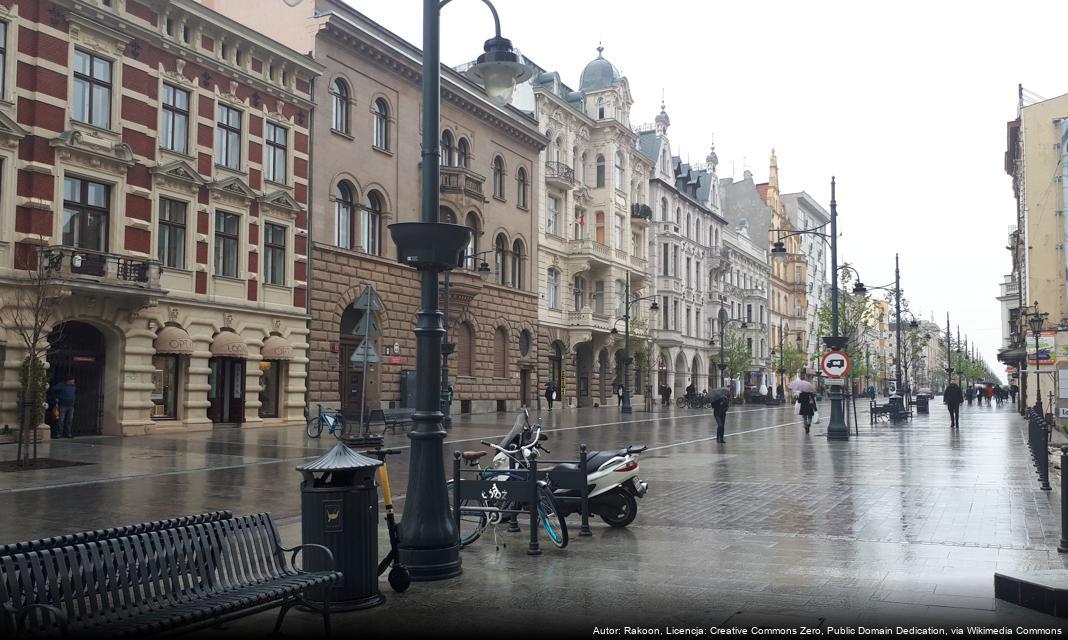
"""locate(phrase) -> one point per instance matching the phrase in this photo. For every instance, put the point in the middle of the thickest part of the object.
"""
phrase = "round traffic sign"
(835, 364)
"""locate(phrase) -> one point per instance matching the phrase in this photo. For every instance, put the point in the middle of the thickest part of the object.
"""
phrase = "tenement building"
(686, 259)
(804, 212)
(593, 217)
(743, 308)
(366, 167)
(154, 165)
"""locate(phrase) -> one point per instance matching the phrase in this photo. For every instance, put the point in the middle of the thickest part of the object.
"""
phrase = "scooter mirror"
(543, 436)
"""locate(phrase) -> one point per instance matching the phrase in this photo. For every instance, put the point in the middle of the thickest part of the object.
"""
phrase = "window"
(664, 270)
(600, 108)
(274, 254)
(463, 154)
(579, 290)
(498, 177)
(598, 296)
(472, 246)
(663, 209)
(664, 306)
(619, 170)
(270, 384)
(339, 97)
(516, 270)
(697, 323)
(689, 272)
(165, 386)
(697, 275)
(175, 133)
(498, 259)
(345, 212)
(92, 90)
(600, 170)
(500, 353)
(581, 169)
(688, 225)
(380, 114)
(465, 349)
(552, 288)
(85, 214)
(797, 274)
(275, 162)
(521, 188)
(749, 343)
(675, 315)
(228, 137)
(620, 244)
(226, 236)
(172, 232)
(3, 56)
(748, 313)
(445, 158)
(675, 260)
(371, 223)
(689, 320)
(678, 215)
(552, 215)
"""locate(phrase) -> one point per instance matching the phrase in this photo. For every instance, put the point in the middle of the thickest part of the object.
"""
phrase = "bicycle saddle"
(471, 456)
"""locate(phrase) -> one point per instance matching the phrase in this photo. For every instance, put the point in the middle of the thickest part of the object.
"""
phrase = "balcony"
(462, 181)
(639, 263)
(559, 174)
(587, 319)
(641, 213)
(111, 272)
(589, 249)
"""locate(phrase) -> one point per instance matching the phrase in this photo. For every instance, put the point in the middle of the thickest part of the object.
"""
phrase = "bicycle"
(333, 420)
(475, 519)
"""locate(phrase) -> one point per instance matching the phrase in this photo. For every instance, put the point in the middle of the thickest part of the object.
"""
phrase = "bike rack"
(522, 491)
(575, 480)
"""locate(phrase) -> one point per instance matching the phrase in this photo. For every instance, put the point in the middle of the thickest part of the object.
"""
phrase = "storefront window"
(165, 387)
(270, 382)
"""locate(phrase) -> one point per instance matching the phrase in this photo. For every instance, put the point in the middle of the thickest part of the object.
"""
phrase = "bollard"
(533, 550)
(584, 530)
(1063, 546)
(1043, 460)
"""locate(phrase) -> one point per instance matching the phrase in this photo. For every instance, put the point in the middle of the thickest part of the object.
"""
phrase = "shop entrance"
(76, 350)
(227, 391)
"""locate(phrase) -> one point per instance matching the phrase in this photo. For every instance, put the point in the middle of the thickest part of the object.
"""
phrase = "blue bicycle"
(332, 420)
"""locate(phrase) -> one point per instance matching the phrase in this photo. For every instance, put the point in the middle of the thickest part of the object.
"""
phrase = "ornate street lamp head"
(654, 306)
(498, 70)
(859, 289)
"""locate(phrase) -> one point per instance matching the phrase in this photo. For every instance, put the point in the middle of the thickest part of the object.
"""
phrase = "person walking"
(871, 392)
(667, 395)
(989, 394)
(550, 394)
(619, 395)
(1013, 390)
(970, 395)
(719, 410)
(65, 395)
(952, 398)
(807, 402)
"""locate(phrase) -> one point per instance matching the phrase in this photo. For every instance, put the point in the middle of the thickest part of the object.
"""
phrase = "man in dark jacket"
(952, 397)
(719, 410)
(65, 395)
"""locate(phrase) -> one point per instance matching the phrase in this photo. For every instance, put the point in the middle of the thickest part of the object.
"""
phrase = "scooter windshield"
(513, 438)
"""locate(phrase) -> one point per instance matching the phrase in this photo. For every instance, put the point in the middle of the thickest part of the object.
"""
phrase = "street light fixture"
(627, 302)
(429, 543)
(1036, 321)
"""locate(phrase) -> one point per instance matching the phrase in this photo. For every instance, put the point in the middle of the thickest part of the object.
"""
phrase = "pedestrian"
(951, 397)
(871, 392)
(719, 410)
(619, 395)
(1013, 390)
(807, 402)
(65, 395)
(550, 394)
(691, 391)
(970, 395)
(667, 395)
(989, 394)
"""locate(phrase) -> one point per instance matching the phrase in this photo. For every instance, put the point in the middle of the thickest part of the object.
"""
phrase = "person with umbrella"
(952, 397)
(805, 396)
(721, 401)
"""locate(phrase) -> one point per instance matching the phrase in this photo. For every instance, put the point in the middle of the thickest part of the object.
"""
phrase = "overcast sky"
(904, 103)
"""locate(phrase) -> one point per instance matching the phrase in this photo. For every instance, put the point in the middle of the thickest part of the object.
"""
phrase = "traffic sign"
(835, 364)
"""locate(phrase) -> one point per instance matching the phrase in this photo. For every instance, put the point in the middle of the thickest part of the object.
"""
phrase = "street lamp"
(627, 302)
(836, 426)
(429, 544)
(1035, 322)
(723, 322)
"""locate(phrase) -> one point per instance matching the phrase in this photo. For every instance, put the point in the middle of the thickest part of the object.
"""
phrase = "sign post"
(835, 365)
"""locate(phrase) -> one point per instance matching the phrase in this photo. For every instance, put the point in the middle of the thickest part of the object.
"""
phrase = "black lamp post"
(782, 366)
(723, 322)
(429, 544)
(1035, 322)
(627, 302)
(836, 426)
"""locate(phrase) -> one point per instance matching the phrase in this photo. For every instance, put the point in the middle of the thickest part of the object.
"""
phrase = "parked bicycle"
(698, 401)
(511, 462)
(331, 419)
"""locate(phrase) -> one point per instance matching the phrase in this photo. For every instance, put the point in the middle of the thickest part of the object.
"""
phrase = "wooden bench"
(879, 412)
(389, 418)
(164, 576)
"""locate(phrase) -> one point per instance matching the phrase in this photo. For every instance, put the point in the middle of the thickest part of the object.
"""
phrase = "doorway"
(226, 392)
(351, 379)
(76, 350)
(524, 387)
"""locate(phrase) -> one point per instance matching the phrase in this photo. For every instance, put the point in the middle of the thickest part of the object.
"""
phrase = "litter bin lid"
(340, 458)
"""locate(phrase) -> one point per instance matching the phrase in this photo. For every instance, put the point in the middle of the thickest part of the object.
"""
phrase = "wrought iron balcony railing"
(97, 267)
(641, 211)
(559, 172)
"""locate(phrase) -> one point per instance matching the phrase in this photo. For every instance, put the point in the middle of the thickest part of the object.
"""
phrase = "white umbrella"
(802, 386)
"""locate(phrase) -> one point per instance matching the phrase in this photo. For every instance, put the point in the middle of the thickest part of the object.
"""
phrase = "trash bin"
(339, 510)
(921, 404)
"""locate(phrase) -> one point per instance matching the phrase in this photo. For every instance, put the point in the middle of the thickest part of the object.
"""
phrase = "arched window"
(678, 215)
(580, 170)
(339, 94)
(516, 270)
(600, 170)
(446, 215)
(500, 353)
(498, 177)
(552, 288)
(600, 108)
(345, 214)
(471, 261)
(688, 224)
(521, 188)
(465, 349)
(463, 154)
(371, 223)
(619, 170)
(558, 148)
(579, 290)
(663, 209)
(499, 249)
(380, 113)
(446, 149)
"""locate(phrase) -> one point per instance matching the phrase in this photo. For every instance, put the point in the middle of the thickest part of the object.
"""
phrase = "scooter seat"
(471, 456)
(595, 459)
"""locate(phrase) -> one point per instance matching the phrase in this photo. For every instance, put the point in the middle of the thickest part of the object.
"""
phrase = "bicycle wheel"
(315, 427)
(472, 523)
(680, 402)
(550, 518)
(339, 427)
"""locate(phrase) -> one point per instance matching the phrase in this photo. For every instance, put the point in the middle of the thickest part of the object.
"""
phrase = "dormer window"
(600, 108)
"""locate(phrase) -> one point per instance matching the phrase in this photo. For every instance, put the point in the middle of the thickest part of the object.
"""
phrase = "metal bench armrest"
(299, 548)
(22, 612)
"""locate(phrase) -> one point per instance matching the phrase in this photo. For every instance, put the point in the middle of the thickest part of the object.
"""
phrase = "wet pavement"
(899, 525)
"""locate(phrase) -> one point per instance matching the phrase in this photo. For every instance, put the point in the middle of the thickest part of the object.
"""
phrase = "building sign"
(1047, 352)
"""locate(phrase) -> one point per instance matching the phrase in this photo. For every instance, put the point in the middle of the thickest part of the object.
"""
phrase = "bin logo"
(494, 493)
(332, 516)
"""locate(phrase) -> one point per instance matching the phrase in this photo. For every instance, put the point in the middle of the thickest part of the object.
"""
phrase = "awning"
(229, 345)
(276, 348)
(1012, 355)
(173, 340)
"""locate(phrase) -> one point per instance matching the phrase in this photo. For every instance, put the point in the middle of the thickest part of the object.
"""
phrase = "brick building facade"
(154, 171)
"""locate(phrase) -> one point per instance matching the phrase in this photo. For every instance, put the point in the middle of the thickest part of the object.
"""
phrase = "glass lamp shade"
(1036, 323)
(859, 289)
(498, 70)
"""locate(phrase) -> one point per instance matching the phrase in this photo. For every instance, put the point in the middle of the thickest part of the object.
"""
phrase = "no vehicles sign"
(835, 364)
